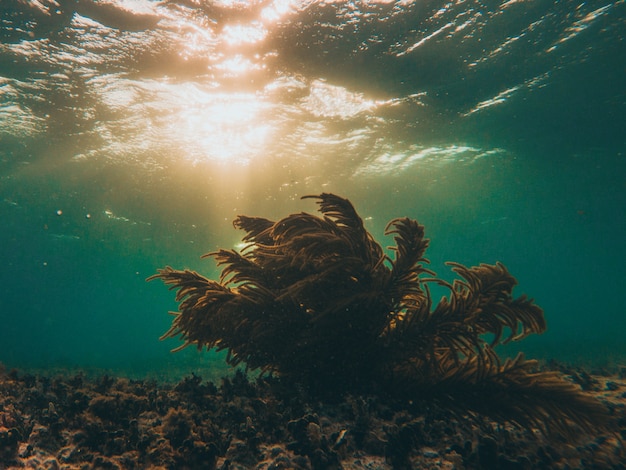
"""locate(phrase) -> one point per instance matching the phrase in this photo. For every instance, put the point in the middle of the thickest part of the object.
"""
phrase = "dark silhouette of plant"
(317, 300)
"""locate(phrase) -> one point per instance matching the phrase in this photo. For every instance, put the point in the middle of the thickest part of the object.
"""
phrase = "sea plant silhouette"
(317, 300)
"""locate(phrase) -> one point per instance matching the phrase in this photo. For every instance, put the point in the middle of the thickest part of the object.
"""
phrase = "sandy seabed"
(74, 422)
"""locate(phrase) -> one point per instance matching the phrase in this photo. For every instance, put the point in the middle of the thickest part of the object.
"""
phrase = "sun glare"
(278, 9)
(236, 65)
(222, 128)
(201, 37)
(244, 33)
(206, 121)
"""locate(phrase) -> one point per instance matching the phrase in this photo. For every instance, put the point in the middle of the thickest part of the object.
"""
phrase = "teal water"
(132, 133)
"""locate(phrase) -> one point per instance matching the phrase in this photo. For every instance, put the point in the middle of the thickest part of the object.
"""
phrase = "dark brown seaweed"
(317, 301)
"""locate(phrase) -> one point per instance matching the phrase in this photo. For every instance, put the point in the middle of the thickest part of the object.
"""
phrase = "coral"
(318, 301)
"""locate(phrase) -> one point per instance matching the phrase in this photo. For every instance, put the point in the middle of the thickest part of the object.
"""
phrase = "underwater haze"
(132, 132)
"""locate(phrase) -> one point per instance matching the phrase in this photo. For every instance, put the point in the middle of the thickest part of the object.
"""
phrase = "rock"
(430, 453)
(9, 443)
(488, 453)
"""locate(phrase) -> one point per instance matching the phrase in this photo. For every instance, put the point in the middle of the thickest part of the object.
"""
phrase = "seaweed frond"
(486, 295)
(317, 300)
(518, 392)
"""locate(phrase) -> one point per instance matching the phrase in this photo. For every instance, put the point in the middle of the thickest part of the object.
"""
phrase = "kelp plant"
(319, 302)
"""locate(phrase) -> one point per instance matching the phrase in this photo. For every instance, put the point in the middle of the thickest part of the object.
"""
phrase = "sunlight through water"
(499, 125)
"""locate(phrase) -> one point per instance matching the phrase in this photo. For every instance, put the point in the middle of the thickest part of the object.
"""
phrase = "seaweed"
(317, 301)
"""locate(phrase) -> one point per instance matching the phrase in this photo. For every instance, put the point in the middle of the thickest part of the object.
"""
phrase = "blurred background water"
(133, 131)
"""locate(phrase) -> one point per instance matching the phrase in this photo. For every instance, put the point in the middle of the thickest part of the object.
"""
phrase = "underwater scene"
(396, 198)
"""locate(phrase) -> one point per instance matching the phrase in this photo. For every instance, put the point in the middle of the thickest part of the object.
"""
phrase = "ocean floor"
(78, 422)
